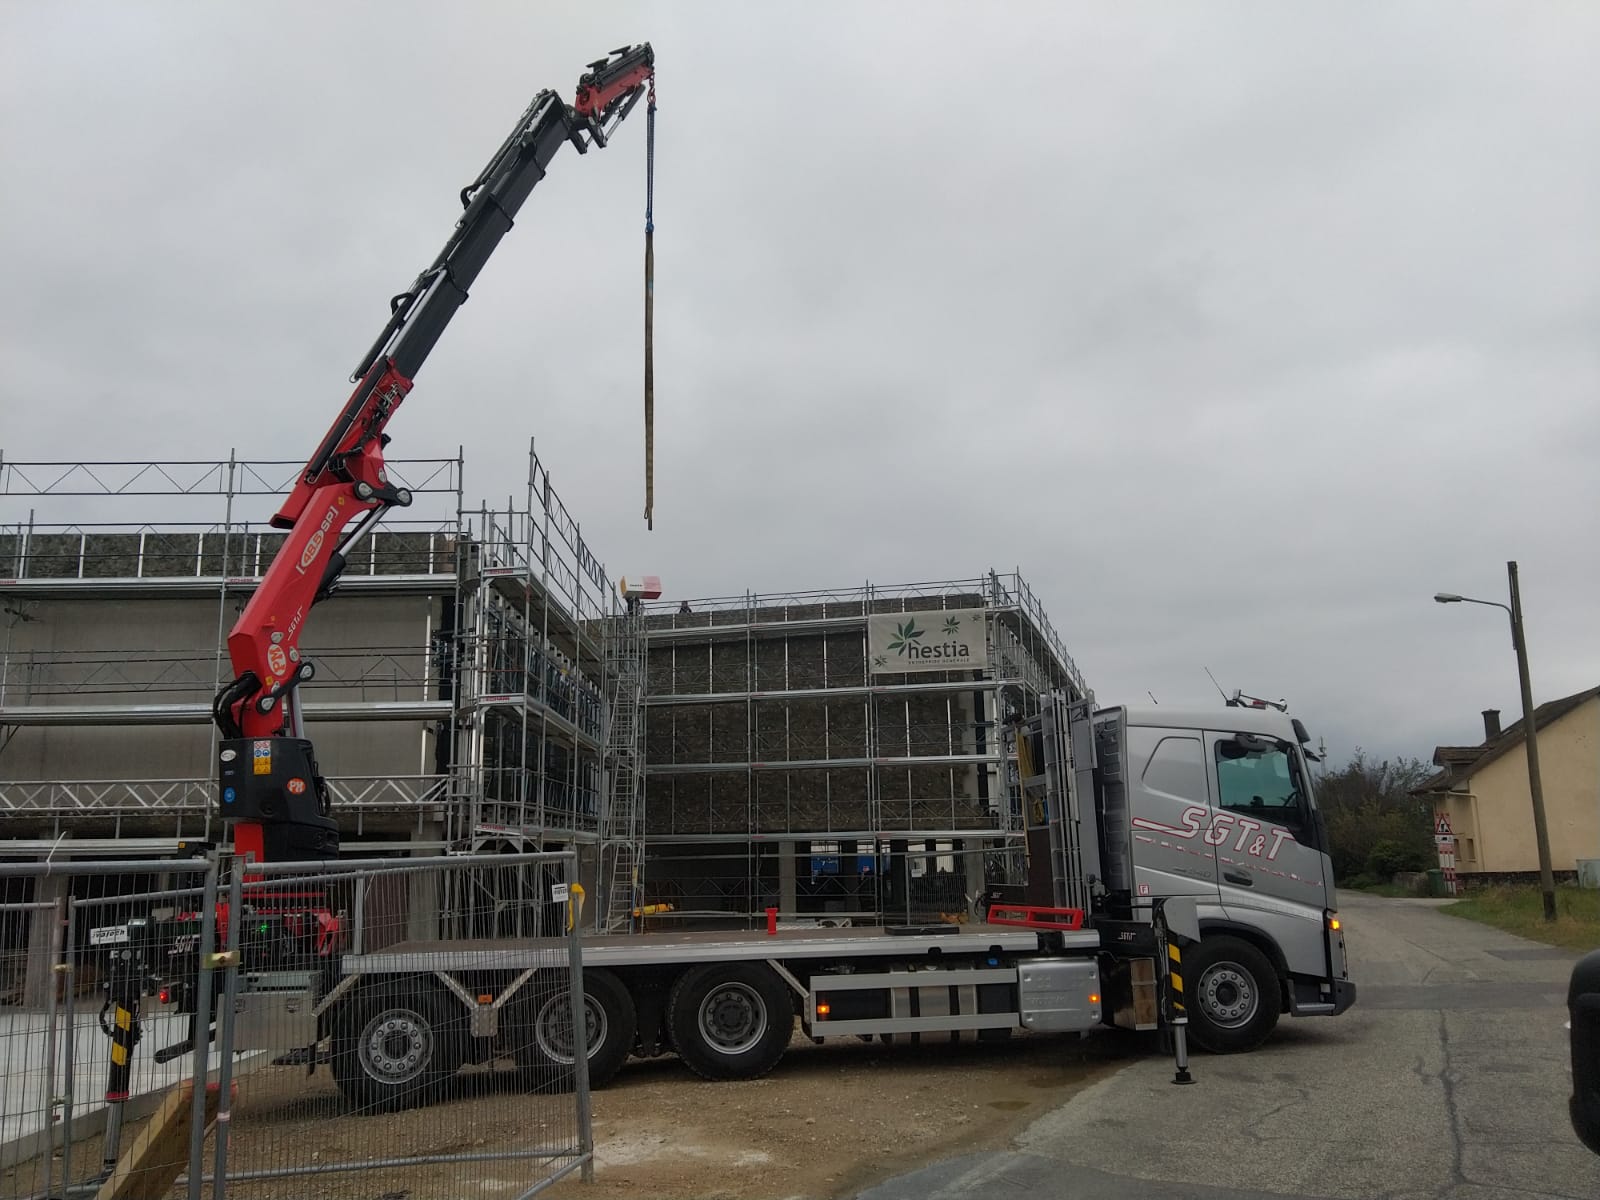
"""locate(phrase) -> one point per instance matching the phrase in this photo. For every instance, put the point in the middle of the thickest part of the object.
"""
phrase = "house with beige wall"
(1484, 789)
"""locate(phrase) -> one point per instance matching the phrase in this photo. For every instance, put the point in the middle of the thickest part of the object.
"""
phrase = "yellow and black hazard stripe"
(1180, 1019)
(123, 1037)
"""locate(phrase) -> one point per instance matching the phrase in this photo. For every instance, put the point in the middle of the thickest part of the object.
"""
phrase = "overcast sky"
(1240, 328)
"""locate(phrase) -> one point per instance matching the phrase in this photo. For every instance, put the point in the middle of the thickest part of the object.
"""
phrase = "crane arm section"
(270, 785)
(420, 314)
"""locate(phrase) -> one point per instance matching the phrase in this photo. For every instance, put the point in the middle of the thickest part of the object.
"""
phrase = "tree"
(1368, 807)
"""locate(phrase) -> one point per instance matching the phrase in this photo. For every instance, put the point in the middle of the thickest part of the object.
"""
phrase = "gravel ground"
(828, 1121)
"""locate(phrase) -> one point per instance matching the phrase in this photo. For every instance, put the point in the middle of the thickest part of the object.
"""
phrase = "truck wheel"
(730, 1020)
(544, 1049)
(397, 1046)
(1232, 994)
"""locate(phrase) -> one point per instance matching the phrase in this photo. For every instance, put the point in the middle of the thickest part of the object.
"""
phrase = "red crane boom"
(269, 784)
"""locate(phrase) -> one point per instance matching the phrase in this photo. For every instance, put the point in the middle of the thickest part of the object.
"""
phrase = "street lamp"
(1547, 882)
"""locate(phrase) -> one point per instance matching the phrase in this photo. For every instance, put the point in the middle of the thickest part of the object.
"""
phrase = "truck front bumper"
(1344, 995)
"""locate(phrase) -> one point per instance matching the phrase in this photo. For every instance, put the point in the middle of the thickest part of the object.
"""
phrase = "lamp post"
(1541, 832)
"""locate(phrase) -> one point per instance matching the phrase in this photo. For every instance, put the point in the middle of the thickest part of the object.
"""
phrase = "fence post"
(358, 923)
(58, 922)
(228, 962)
(580, 1025)
(70, 974)
(202, 1028)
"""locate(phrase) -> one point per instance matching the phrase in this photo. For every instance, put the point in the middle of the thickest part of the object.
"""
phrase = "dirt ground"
(830, 1120)
(827, 1122)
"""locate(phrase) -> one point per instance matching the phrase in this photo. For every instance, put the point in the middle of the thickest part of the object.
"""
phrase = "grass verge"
(1520, 910)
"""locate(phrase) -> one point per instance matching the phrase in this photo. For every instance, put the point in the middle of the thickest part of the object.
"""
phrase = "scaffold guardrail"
(195, 796)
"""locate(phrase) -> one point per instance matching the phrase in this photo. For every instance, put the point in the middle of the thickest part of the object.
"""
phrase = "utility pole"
(1541, 831)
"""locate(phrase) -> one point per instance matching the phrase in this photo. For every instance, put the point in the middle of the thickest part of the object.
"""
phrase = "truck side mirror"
(1583, 1005)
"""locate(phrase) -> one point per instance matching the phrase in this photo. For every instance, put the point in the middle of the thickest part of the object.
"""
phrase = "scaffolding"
(535, 603)
(483, 685)
(787, 768)
(622, 854)
(114, 644)
(491, 682)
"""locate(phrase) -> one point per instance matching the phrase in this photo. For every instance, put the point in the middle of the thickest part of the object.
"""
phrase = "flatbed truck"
(1155, 830)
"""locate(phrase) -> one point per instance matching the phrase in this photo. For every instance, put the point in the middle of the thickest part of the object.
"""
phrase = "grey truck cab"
(1217, 804)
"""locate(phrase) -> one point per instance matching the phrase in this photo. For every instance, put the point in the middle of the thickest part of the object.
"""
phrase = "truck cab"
(1143, 805)
(1218, 804)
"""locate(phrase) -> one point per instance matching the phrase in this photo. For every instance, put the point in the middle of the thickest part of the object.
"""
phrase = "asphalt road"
(1447, 1081)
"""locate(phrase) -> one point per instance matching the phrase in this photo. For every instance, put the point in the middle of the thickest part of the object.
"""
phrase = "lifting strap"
(649, 310)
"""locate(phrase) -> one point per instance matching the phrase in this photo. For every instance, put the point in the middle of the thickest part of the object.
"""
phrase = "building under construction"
(483, 684)
(800, 753)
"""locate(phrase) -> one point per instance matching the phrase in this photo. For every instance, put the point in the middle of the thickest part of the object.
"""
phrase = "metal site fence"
(360, 1028)
(28, 932)
(84, 1056)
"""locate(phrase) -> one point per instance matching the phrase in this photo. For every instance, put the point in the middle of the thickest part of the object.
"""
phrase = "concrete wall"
(129, 652)
(112, 651)
(184, 752)
(1498, 813)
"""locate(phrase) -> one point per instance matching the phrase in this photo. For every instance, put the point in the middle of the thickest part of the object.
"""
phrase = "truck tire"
(397, 1045)
(730, 1020)
(543, 1048)
(1232, 995)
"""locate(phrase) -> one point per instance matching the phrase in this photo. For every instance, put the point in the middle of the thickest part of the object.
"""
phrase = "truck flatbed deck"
(703, 945)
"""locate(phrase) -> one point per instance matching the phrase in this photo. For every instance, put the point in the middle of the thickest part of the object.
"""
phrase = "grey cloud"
(1240, 328)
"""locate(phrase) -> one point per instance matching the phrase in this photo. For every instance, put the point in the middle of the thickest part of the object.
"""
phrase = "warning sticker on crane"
(261, 757)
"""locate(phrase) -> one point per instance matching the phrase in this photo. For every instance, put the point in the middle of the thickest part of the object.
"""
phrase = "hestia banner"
(937, 640)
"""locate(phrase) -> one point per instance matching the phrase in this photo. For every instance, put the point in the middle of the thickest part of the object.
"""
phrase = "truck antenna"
(1240, 700)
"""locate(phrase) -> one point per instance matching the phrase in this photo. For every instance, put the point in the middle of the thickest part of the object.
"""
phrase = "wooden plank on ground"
(151, 1165)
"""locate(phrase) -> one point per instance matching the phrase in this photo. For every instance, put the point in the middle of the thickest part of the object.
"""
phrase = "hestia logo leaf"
(880, 660)
(905, 637)
(952, 626)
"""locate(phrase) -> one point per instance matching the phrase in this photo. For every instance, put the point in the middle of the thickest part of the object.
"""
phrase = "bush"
(1366, 804)
(1388, 858)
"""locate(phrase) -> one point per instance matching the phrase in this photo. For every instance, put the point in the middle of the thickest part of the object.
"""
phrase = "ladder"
(622, 821)
(1056, 760)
